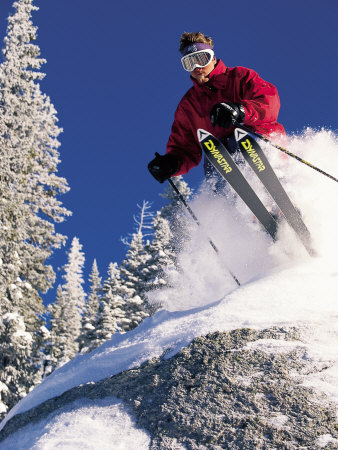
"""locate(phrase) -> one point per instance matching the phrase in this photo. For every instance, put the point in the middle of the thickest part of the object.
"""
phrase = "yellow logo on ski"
(253, 154)
(217, 155)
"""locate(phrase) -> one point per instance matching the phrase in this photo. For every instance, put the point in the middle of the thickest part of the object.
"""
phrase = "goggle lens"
(197, 59)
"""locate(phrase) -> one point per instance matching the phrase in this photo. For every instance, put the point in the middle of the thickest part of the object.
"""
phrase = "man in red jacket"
(219, 98)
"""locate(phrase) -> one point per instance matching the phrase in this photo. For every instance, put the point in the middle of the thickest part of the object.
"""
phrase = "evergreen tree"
(133, 282)
(58, 343)
(113, 304)
(28, 160)
(170, 232)
(15, 348)
(74, 275)
(160, 254)
(87, 339)
(66, 313)
(29, 207)
(175, 207)
(174, 212)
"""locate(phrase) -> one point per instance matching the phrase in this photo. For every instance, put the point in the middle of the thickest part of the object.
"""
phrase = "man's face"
(201, 73)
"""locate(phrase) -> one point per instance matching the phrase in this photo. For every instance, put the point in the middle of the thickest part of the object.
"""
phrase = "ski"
(259, 163)
(223, 162)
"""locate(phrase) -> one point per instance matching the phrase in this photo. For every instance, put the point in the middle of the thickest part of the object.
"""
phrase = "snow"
(84, 424)
(280, 286)
(273, 347)
(278, 421)
(326, 439)
(3, 387)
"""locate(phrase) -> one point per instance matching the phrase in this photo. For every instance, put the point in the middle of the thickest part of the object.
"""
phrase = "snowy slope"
(281, 285)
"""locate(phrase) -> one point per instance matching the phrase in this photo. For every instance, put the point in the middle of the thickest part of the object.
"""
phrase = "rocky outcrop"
(223, 391)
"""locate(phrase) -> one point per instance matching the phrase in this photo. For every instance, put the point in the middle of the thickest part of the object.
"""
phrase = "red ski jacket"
(236, 85)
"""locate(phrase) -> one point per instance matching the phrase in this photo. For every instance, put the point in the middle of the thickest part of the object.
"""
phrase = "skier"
(219, 98)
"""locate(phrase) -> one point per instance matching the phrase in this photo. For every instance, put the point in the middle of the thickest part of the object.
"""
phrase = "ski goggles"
(200, 58)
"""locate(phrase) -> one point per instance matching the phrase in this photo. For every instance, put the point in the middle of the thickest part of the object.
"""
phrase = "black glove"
(227, 114)
(163, 167)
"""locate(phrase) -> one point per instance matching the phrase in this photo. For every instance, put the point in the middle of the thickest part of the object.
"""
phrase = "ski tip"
(239, 134)
(202, 134)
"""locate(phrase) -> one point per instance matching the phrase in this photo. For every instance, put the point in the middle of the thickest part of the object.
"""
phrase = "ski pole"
(282, 149)
(191, 212)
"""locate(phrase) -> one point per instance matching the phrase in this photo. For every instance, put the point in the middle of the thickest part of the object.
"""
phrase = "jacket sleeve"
(182, 142)
(259, 98)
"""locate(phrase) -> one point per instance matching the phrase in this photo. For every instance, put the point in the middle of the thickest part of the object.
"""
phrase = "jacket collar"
(218, 70)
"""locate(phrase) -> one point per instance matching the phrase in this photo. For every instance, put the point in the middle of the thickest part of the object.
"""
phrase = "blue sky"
(115, 78)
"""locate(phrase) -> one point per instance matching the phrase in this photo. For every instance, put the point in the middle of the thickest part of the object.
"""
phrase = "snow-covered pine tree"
(28, 158)
(160, 254)
(175, 212)
(111, 318)
(66, 313)
(28, 186)
(133, 282)
(133, 269)
(58, 335)
(175, 205)
(87, 339)
(15, 348)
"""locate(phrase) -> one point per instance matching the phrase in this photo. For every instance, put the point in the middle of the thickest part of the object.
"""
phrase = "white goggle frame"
(201, 58)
